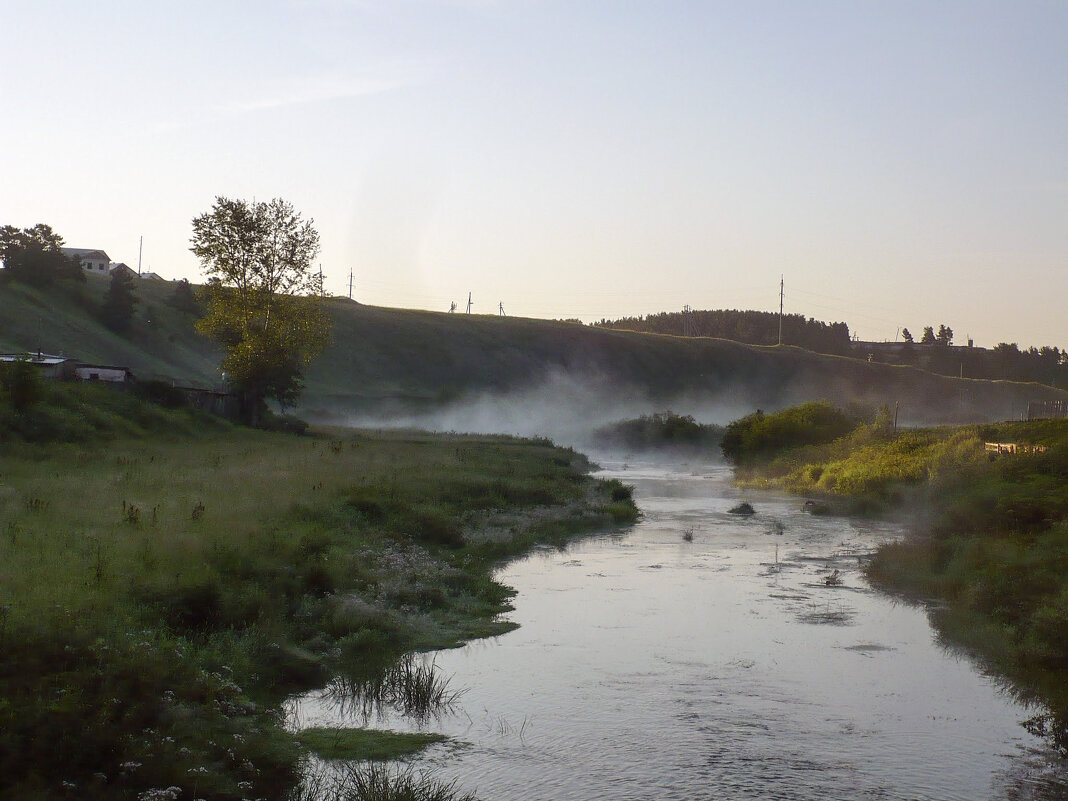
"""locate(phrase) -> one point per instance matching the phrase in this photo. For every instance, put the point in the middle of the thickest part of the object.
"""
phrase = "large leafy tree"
(34, 256)
(264, 302)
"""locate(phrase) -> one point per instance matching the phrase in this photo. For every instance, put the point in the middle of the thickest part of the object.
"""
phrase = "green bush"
(759, 437)
(658, 431)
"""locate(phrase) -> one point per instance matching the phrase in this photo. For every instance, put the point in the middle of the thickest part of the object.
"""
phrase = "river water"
(703, 655)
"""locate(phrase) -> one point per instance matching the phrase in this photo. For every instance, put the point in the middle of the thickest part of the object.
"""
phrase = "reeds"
(372, 781)
(410, 687)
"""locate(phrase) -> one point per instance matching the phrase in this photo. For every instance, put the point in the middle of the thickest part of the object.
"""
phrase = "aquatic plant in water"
(372, 781)
(411, 687)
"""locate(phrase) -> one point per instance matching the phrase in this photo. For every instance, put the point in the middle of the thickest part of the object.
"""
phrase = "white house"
(93, 261)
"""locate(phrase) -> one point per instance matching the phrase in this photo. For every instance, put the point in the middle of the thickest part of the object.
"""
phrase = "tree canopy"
(263, 300)
(34, 256)
(117, 309)
(752, 327)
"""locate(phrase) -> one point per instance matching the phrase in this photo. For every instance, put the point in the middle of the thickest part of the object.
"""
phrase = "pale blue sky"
(902, 163)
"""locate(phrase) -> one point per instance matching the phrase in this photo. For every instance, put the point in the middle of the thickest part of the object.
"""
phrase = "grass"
(165, 592)
(408, 686)
(365, 744)
(376, 782)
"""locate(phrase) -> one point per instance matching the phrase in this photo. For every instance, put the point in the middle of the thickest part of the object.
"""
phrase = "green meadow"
(166, 580)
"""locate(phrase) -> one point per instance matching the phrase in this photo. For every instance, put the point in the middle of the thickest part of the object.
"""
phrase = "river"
(703, 655)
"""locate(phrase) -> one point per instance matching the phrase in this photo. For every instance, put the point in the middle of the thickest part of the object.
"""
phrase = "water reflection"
(413, 688)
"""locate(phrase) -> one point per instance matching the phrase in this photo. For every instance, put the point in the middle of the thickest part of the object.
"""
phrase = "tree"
(117, 309)
(944, 335)
(20, 384)
(928, 337)
(264, 303)
(34, 256)
(906, 335)
(184, 299)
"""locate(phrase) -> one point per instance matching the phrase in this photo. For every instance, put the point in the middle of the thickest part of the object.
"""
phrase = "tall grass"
(165, 592)
(376, 782)
(408, 686)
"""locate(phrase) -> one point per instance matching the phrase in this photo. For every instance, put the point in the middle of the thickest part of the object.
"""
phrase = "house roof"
(86, 253)
(81, 366)
(34, 358)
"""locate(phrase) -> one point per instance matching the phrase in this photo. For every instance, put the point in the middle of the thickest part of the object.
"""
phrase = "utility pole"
(322, 292)
(468, 302)
(140, 245)
(501, 306)
(350, 283)
(782, 283)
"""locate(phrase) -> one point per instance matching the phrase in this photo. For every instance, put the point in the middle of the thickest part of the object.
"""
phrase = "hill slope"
(408, 364)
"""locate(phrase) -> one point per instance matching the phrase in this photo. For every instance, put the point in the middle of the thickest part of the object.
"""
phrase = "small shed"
(49, 366)
(103, 372)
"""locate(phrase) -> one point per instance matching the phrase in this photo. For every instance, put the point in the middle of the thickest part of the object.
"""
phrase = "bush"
(759, 437)
(658, 431)
(21, 384)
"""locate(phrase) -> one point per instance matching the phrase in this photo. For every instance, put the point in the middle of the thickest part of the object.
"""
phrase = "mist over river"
(703, 655)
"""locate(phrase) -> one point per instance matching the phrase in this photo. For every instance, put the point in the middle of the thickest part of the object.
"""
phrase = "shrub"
(759, 437)
(21, 384)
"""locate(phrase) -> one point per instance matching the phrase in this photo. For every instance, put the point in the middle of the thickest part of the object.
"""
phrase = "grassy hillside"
(417, 360)
(427, 359)
(62, 320)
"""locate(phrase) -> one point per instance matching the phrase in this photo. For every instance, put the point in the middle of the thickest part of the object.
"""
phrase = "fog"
(567, 406)
(564, 407)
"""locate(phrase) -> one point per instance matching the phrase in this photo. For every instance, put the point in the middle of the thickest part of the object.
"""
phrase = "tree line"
(750, 327)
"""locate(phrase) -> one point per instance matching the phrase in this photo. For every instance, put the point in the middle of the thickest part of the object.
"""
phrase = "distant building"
(152, 277)
(93, 261)
(103, 372)
(119, 267)
(48, 365)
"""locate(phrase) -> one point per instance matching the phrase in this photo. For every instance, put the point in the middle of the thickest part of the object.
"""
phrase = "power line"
(782, 285)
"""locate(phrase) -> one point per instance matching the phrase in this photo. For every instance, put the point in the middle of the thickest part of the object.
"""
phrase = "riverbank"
(163, 589)
(988, 542)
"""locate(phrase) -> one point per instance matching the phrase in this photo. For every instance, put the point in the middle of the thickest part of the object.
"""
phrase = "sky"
(898, 164)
